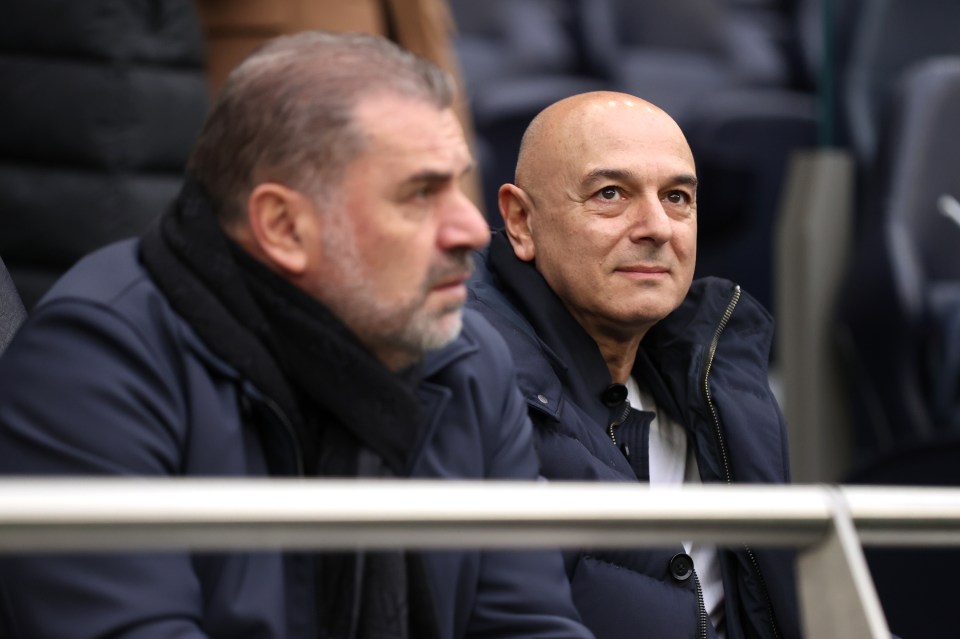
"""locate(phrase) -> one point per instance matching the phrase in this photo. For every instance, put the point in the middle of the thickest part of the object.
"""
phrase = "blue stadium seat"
(901, 298)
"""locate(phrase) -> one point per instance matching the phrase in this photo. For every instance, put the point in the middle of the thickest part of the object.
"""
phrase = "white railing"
(826, 524)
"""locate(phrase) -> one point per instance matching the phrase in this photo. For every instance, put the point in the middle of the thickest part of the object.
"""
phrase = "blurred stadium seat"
(11, 308)
(900, 308)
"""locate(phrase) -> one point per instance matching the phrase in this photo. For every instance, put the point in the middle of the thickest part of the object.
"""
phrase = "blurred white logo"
(950, 207)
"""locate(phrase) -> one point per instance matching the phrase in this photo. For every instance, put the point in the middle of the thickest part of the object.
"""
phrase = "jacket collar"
(663, 361)
(573, 354)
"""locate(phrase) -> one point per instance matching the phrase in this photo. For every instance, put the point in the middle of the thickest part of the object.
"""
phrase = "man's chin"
(444, 331)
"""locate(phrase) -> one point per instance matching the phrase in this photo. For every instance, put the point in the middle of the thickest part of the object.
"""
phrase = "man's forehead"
(628, 148)
(627, 151)
(417, 159)
(603, 129)
(661, 173)
(398, 130)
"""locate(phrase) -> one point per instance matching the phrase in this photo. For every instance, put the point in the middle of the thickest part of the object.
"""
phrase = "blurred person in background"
(103, 103)
(107, 99)
(234, 28)
(632, 371)
(296, 312)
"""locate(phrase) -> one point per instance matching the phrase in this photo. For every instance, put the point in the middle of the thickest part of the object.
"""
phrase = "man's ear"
(277, 216)
(516, 209)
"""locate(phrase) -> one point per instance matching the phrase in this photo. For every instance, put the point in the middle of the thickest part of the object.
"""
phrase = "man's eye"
(609, 193)
(424, 192)
(677, 197)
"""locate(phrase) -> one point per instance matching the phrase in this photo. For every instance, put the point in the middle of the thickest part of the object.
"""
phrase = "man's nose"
(463, 225)
(650, 221)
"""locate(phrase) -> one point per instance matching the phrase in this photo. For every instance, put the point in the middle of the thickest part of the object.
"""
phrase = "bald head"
(562, 130)
(605, 207)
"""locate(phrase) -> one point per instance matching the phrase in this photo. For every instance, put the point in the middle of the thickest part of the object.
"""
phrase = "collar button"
(613, 395)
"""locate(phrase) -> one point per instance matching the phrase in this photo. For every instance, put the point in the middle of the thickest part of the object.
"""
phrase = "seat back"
(902, 288)
(891, 36)
(12, 313)
(107, 107)
(923, 208)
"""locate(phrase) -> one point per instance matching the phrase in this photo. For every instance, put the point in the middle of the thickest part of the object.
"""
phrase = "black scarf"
(351, 415)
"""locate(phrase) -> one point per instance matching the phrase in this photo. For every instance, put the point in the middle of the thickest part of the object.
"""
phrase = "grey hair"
(286, 113)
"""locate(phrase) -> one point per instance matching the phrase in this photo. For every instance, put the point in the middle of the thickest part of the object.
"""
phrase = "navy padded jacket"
(720, 339)
(106, 379)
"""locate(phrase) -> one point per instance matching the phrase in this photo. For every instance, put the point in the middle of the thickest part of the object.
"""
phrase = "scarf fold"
(189, 258)
(333, 371)
(351, 415)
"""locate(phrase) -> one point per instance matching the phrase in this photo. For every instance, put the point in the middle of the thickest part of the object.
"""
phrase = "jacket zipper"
(701, 608)
(711, 354)
(617, 422)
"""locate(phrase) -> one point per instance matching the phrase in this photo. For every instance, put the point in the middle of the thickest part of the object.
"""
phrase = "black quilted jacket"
(102, 100)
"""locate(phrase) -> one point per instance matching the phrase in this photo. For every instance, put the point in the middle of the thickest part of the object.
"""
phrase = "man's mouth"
(643, 269)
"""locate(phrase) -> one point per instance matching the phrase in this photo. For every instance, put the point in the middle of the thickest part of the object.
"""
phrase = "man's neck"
(618, 344)
(619, 355)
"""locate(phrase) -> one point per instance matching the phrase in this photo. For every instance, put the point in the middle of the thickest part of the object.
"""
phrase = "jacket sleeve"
(524, 593)
(81, 393)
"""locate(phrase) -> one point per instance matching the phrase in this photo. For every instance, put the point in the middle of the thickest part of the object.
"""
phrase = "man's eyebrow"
(686, 179)
(430, 176)
(623, 175)
(598, 175)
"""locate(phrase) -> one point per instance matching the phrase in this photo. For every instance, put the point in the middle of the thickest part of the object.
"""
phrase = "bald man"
(631, 371)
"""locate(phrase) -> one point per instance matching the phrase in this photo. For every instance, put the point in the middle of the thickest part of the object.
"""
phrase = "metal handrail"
(827, 524)
(415, 514)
